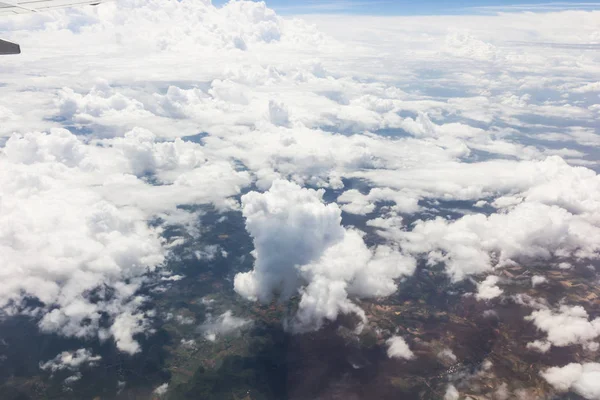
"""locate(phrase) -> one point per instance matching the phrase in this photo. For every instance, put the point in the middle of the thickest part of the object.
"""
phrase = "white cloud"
(355, 202)
(583, 379)
(72, 379)
(588, 87)
(390, 226)
(538, 280)
(65, 239)
(172, 278)
(529, 230)
(183, 320)
(75, 224)
(75, 209)
(191, 343)
(464, 44)
(224, 324)
(451, 393)
(539, 345)
(397, 348)
(447, 355)
(124, 327)
(71, 360)
(278, 114)
(570, 325)
(537, 181)
(565, 265)
(300, 246)
(591, 346)
(208, 252)
(502, 392)
(291, 227)
(162, 389)
(488, 289)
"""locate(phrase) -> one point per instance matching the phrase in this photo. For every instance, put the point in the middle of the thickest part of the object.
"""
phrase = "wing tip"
(9, 48)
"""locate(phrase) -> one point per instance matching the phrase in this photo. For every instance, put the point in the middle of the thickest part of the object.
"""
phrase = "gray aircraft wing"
(14, 7)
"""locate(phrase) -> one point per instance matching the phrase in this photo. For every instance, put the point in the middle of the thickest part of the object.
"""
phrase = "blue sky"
(420, 7)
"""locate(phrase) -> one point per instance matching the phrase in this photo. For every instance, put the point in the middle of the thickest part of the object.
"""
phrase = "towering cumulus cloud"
(301, 247)
(291, 227)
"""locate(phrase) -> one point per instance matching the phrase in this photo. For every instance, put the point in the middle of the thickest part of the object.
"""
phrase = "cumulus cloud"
(125, 326)
(67, 242)
(224, 324)
(71, 360)
(389, 226)
(172, 278)
(397, 348)
(529, 230)
(583, 379)
(567, 326)
(539, 345)
(502, 392)
(355, 202)
(72, 379)
(73, 235)
(290, 218)
(301, 247)
(464, 44)
(190, 344)
(451, 393)
(447, 355)
(588, 87)
(162, 389)
(538, 280)
(488, 289)
(278, 113)
(209, 252)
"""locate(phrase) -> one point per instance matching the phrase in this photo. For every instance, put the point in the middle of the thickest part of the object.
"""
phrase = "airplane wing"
(14, 7)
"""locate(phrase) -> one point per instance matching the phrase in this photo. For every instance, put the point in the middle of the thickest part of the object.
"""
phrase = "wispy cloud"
(331, 6)
(553, 6)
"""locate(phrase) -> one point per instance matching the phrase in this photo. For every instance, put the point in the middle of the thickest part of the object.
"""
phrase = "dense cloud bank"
(495, 113)
(75, 232)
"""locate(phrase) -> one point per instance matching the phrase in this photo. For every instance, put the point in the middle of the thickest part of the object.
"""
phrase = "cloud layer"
(75, 232)
(469, 143)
